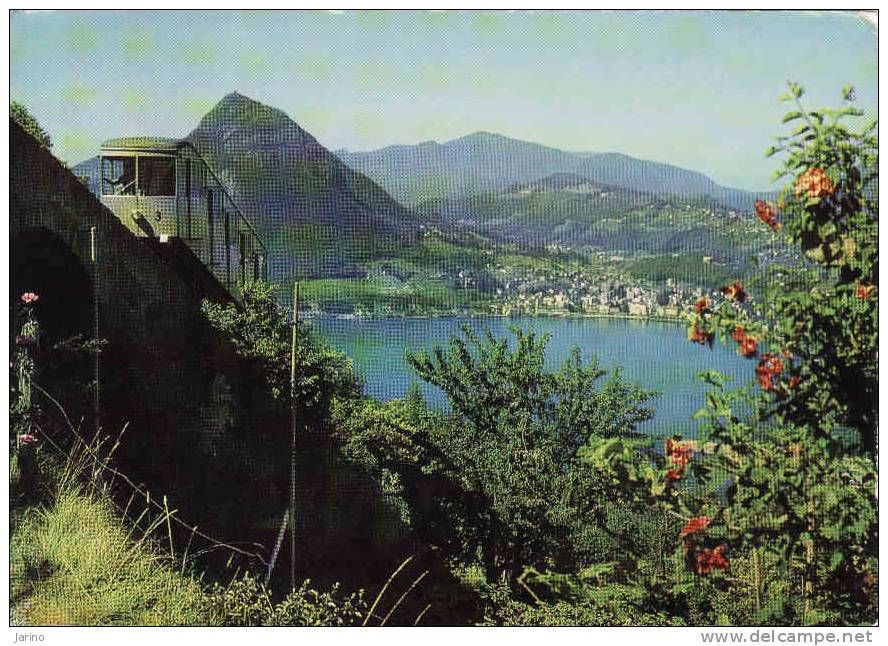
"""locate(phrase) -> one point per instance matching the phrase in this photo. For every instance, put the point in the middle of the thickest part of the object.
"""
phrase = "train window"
(118, 175)
(157, 176)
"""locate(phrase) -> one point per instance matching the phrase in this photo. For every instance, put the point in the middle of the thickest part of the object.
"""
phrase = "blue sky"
(696, 89)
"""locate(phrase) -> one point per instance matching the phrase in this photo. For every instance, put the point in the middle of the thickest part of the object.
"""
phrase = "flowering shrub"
(793, 453)
(767, 214)
(23, 366)
(23, 443)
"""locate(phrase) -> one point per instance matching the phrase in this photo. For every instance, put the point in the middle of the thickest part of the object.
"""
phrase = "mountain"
(486, 161)
(486, 206)
(318, 217)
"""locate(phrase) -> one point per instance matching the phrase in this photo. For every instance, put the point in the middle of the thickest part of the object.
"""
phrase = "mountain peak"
(481, 136)
(237, 109)
(236, 98)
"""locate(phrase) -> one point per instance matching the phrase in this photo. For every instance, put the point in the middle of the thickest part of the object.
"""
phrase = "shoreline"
(677, 320)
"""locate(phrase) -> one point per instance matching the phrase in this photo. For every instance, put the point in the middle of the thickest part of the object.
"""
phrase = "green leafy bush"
(19, 113)
(260, 331)
(498, 481)
(246, 602)
(608, 605)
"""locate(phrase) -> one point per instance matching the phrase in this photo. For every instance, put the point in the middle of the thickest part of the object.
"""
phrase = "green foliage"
(605, 605)
(260, 332)
(499, 481)
(792, 455)
(19, 113)
(246, 602)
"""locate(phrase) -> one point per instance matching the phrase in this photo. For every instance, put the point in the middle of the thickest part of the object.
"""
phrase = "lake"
(655, 354)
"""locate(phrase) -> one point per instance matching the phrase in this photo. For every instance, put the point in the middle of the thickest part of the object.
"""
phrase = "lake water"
(657, 355)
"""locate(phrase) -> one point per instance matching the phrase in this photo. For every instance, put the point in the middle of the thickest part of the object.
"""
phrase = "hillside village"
(601, 297)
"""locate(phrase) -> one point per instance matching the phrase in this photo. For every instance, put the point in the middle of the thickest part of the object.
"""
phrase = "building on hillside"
(638, 309)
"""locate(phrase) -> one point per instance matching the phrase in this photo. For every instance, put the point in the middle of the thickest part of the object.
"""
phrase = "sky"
(698, 89)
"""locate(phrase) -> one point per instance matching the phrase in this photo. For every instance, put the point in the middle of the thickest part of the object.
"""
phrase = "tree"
(498, 479)
(19, 113)
(259, 329)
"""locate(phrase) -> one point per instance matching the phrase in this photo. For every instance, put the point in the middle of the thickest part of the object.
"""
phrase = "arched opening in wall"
(43, 264)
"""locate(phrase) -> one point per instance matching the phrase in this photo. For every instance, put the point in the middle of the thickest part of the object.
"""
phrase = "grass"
(74, 562)
(76, 559)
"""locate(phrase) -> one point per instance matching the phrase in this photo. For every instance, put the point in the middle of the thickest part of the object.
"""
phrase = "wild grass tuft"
(73, 562)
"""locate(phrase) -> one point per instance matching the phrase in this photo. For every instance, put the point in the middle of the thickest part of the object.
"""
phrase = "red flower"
(30, 297)
(815, 183)
(774, 364)
(767, 214)
(696, 335)
(738, 334)
(672, 475)
(710, 559)
(679, 453)
(26, 438)
(734, 292)
(863, 291)
(694, 525)
(769, 366)
(795, 381)
(747, 347)
(702, 305)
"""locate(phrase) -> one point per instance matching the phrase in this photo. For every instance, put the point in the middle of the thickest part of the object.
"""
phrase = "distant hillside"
(572, 212)
(484, 161)
(485, 206)
(318, 216)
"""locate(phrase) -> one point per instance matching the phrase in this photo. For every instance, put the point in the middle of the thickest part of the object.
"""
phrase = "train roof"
(156, 144)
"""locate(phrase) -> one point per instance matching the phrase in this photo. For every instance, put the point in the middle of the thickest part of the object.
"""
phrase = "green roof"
(144, 143)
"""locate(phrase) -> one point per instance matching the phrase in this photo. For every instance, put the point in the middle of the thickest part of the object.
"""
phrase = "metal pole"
(277, 546)
(293, 346)
(93, 252)
(94, 256)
